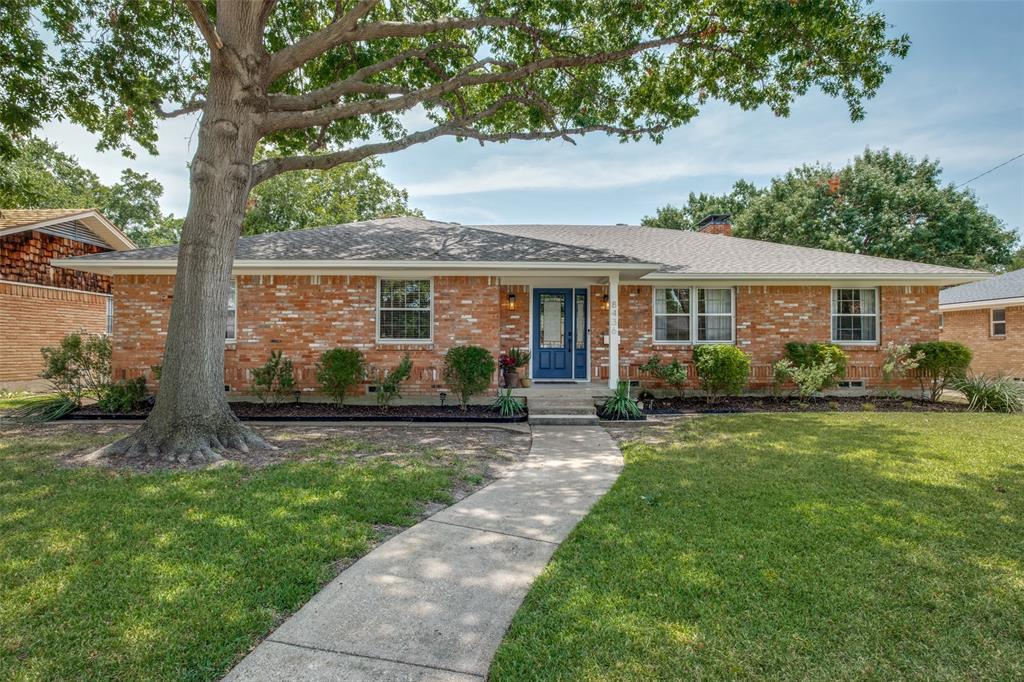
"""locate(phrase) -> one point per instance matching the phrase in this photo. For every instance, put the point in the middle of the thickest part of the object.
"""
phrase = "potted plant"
(511, 362)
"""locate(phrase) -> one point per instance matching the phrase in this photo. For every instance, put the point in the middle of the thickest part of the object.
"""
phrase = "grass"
(175, 575)
(831, 546)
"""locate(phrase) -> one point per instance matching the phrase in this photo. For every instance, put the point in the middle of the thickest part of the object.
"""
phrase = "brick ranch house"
(40, 303)
(593, 303)
(988, 317)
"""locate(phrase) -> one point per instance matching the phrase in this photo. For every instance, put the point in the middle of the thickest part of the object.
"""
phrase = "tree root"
(191, 442)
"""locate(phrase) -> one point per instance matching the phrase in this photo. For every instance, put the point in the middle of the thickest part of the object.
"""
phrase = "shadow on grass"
(793, 546)
(114, 575)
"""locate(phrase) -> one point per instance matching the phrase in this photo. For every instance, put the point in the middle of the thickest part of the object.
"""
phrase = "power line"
(988, 171)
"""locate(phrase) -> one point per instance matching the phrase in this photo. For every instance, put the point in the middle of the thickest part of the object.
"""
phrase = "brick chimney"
(716, 223)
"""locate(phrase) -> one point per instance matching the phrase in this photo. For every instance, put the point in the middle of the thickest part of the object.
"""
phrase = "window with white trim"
(231, 316)
(675, 321)
(404, 310)
(672, 315)
(855, 315)
(998, 321)
(110, 315)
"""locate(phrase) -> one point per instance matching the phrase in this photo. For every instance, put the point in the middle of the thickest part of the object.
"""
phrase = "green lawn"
(874, 546)
(172, 576)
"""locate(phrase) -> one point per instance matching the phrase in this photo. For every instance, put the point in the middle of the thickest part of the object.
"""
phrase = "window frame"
(694, 315)
(877, 315)
(232, 285)
(992, 322)
(110, 315)
(378, 309)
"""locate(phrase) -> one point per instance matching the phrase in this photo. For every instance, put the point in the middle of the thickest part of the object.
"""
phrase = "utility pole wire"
(988, 171)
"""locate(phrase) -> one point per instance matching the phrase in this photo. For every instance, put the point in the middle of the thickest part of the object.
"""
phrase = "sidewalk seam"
(372, 658)
(496, 532)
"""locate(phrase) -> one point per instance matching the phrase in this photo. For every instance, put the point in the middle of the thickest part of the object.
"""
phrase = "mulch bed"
(700, 405)
(328, 412)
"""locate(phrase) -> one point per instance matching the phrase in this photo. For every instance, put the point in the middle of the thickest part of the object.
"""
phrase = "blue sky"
(958, 97)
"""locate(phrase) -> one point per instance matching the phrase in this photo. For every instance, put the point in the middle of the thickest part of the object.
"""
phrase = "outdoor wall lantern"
(511, 301)
(604, 301)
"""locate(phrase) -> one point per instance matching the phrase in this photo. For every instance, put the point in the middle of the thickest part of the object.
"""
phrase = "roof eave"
(105, 229)
(935, 278)
(983, 303)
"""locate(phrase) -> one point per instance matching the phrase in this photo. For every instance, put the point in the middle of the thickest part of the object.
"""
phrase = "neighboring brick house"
(40, 304)
(593, 303)
(988, 317)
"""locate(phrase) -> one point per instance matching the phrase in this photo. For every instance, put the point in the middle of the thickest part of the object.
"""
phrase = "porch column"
(613, 330)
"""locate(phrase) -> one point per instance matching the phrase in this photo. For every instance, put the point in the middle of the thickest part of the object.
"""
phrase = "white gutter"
(985, 303)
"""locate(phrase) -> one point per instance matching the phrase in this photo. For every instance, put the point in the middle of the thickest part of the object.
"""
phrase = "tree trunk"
(191, 421)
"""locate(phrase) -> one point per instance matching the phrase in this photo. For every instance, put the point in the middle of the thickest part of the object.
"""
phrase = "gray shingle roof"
(1010, 285)
(670, 252)
(397, 239)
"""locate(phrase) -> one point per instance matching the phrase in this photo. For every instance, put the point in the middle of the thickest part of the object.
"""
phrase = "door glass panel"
(552, 321)
(581, 321)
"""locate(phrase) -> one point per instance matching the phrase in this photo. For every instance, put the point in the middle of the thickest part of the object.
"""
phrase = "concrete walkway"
(433, 602)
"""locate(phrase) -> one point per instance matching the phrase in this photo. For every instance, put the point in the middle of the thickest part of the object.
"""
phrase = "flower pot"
(525, 382)
(512, 379)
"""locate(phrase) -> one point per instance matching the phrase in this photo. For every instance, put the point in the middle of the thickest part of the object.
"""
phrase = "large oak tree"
(307, 85)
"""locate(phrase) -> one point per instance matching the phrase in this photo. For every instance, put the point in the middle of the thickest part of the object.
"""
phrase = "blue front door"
(559, 333)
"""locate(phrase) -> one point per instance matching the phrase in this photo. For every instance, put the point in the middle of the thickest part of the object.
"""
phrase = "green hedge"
(722, 369)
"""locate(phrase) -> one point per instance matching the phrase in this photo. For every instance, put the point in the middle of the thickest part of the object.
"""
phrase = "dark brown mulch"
(698, 404)
(329, 411)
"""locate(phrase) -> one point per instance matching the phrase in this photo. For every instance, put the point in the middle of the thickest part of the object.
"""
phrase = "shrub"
(274, 380)
(43, 408)
(468, 371)
(339, 371)
(809, 379)
(992, 394)
(620, 404)
(900, 360)
(387, 382)
(804, 355)
(722, 369)
(507, 404)
(519, 357)
(126, 395)
(942, 364)
(673, 373)
(78, 367)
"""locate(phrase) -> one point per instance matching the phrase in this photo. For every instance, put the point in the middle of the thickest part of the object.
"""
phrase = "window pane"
(581, 321)
(854, 302)
(405, 293)
(853, 328)
(714, 328)
(552, 321)
(229, 322)
(999, 315)
(672, 328)
(672, 301)
(714, 301)
(405, 325)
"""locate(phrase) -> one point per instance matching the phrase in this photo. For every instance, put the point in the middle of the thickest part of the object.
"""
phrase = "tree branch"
(194, 105)
(288, 120)
(206, 27)
(315, 44)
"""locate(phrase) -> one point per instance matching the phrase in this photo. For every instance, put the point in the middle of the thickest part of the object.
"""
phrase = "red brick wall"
(303, 316)
(767, 317)
(992, 355)
(515, 322)
(26, 256)
(32, 317)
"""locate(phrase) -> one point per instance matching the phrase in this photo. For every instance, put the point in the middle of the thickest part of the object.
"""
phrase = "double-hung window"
(404, 310)
(676, 321)
(231, 316)
(998, 321)
(855, 316)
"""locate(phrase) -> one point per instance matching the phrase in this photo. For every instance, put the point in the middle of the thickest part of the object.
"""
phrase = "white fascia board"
(794, 279)
(987, 303)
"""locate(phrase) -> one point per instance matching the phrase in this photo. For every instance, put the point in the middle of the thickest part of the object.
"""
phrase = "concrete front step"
(561, 408)
(563, 419)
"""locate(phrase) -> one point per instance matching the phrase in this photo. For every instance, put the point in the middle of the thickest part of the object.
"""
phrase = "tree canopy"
(41, 176)
(883, 203)
(304, 199)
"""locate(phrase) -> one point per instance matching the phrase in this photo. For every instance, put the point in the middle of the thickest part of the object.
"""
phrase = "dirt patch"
(479, 453)
(700, 405)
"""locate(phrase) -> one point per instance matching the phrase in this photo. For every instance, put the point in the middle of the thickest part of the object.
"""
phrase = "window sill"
(688, 344)
(403, 345)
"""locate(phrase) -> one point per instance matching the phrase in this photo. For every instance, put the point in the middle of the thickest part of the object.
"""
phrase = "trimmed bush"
(387, 382)
(339, 371)
(992, 394)
(124, 396)
(274, 380)
(673, 373)
(809, 379)
(78, 367)
(942, 364)
(721, 369)
(806, 355)
(468, 371)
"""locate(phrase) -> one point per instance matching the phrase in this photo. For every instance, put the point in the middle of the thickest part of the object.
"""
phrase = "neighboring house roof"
(83, 224)
(1005, 289)
(651, 253)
